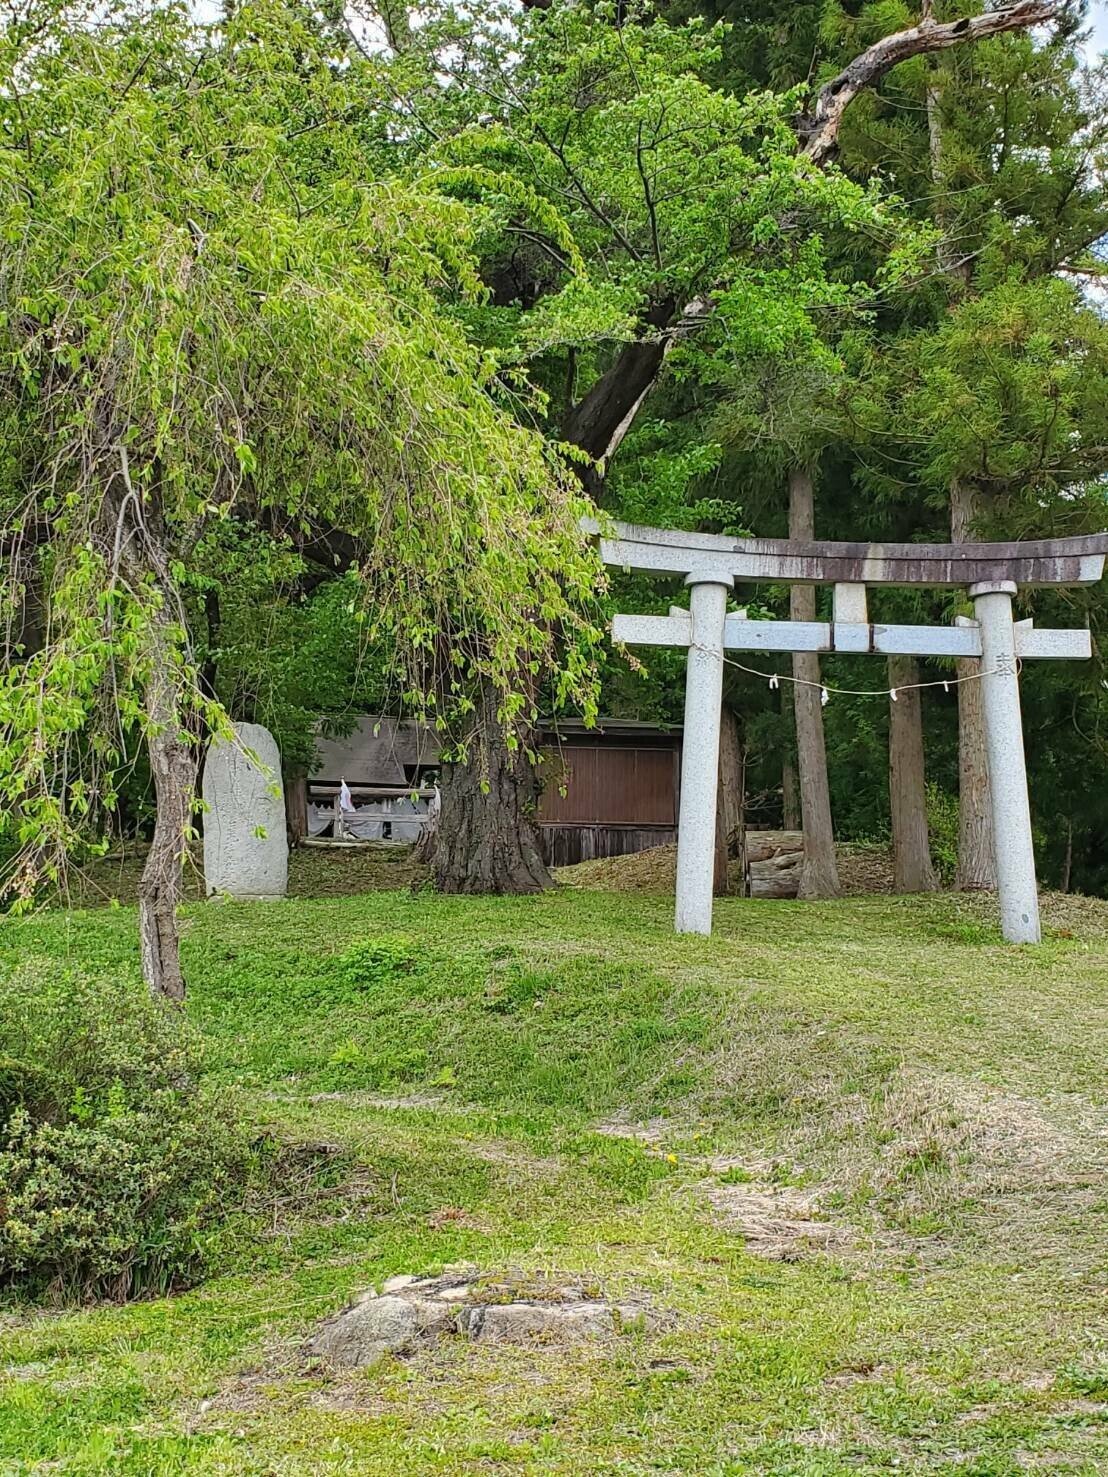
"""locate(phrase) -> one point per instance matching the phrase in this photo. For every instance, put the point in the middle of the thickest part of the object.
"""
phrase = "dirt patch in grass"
(778, 1222)
(515, 1164)
(826, 1142)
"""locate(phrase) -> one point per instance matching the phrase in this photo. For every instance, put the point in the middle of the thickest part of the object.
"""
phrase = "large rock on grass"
(543, 1322)
(362, 1334)
(414, 1311)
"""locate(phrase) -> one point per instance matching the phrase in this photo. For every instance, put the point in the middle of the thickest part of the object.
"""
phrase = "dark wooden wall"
(619, 797)
(563, 846)
(610, 785)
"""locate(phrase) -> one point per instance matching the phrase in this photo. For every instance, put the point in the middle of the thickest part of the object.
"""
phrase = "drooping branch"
(819, 129)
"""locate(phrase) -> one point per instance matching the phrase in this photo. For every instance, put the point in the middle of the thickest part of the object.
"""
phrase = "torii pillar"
(700, 753)
(1013, 847)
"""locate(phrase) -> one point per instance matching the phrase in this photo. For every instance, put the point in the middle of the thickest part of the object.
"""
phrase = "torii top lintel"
(1064, 561)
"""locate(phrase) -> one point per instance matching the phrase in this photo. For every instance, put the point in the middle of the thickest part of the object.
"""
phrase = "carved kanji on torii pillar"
(991, 573)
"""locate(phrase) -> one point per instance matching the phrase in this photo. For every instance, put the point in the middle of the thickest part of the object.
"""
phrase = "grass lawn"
(853, 1154)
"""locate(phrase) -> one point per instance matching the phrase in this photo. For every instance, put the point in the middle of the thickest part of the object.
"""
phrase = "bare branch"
(819, 130)
(648, 195)
(583, 195)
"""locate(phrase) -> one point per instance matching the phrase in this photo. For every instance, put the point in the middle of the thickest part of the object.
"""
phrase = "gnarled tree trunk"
(486, 839)
(912, 869)
(976, 862)
(819, 875)
(173, 763)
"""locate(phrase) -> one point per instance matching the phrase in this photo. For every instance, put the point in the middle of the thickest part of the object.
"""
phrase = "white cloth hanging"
(319, 819)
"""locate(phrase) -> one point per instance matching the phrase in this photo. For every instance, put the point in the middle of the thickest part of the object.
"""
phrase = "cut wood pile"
(773, 860)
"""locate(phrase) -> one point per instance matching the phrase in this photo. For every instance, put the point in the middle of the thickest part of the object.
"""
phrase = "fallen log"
(773, 863)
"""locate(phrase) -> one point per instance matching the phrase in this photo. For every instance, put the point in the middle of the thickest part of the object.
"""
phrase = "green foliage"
(673, 189)
(942, 823)
(1006, 391)
(227, 309)
(374, 961)
(119, 1173)
(298, 664)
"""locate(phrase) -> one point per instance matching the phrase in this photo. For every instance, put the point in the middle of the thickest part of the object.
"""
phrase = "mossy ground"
(941, 1098)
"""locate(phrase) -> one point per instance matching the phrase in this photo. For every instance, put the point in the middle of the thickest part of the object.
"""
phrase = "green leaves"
(231, 305)
(1008, 391)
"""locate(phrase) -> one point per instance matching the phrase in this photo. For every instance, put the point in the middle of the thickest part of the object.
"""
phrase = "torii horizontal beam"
(740, 634)
(706, 556)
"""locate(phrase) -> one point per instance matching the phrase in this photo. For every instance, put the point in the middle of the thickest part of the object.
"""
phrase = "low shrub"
(942, 823)
(120, 1172)
(373, 961)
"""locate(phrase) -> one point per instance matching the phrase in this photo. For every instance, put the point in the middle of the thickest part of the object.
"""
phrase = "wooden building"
(608, 790)
(378, 752)
(388, 766)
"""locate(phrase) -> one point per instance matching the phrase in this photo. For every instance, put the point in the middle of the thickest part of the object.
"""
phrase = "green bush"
(942, 823)
(373, 961)
(118, 1168)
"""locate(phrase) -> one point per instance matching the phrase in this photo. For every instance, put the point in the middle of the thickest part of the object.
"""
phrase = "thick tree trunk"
(976, 865)
(425, 848)
(601, 418)
(730, 805)
(912, 869)
(976, 862)
(173, 763)
(819, 875)
(486, 839)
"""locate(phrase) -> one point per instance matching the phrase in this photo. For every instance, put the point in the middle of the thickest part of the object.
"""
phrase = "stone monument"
(246, 850)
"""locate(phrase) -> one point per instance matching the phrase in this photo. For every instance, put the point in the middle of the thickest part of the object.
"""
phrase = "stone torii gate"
(992, 574)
